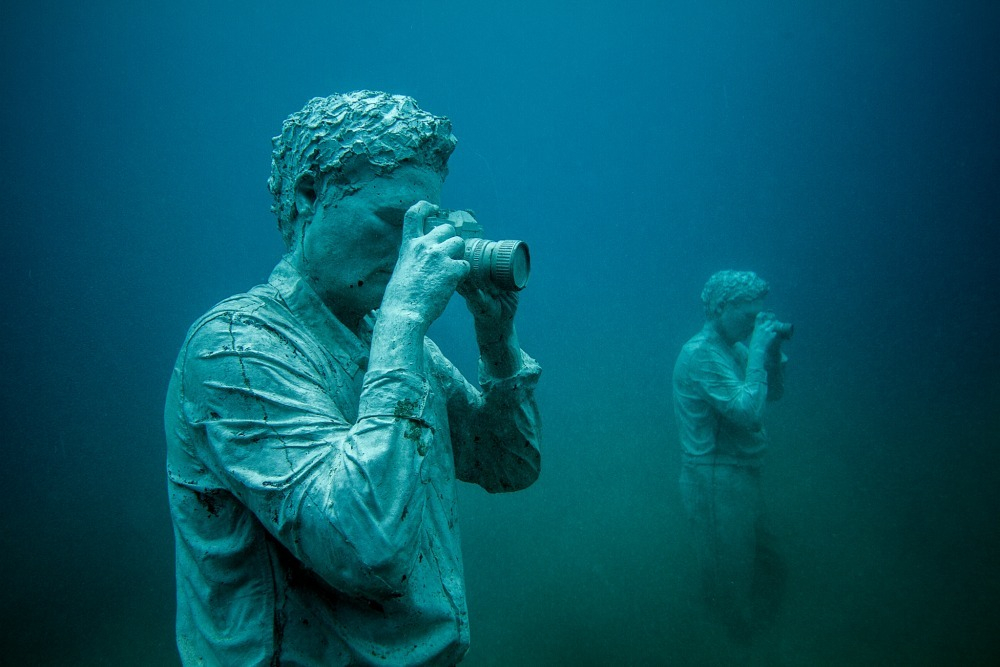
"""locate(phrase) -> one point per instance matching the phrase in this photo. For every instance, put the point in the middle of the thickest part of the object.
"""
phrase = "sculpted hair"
(732, 287)
(348, 139)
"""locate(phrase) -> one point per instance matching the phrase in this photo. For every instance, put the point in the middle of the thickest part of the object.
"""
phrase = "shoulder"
(703, 357)
(254, 319)
(702, 348)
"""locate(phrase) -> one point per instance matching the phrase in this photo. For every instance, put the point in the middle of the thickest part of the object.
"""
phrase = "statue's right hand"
(765, 332)
(428, 269)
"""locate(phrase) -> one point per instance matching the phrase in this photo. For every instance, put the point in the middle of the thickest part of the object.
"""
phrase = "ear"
(305, 198)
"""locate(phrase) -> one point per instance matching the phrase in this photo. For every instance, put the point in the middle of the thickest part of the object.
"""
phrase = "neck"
(715, 327)
(348, 314)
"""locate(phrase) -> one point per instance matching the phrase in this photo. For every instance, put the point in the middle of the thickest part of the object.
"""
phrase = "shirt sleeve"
(775, 366)
(340, 494)
(738, 398)
(496, 429)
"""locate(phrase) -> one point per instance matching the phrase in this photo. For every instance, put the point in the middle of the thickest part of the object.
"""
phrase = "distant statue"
(314, 433)
(721, 386)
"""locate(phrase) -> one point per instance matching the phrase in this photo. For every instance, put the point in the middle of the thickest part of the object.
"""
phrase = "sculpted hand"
(765, 333)
(429, 267)
(493, 310)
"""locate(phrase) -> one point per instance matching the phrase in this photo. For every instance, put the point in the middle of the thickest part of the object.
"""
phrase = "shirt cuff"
(394, 393)
(756, 375)
(521, 382)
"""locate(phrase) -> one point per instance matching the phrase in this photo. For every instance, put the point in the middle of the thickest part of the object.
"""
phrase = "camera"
(503, 265)
(784, 330)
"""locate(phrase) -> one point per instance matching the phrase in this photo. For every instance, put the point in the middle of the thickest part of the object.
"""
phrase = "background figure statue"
(720, 388)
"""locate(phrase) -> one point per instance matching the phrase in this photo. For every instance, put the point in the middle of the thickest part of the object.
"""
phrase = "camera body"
(784, 330)
(498, 265)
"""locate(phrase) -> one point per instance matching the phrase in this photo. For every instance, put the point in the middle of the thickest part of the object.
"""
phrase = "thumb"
(416, 218)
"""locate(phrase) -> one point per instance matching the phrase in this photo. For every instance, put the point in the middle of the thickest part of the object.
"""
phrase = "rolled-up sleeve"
(495, 429)
(340, 494)
(739, 399)
(776, 375)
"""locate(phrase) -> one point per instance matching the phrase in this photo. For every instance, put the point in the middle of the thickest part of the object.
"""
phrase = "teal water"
(848, 154)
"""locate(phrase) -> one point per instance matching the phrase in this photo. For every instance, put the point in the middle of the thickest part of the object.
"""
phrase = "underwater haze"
(848, 152)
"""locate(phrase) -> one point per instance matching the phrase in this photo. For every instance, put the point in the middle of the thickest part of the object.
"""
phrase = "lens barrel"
(502, 264)
(785, 330)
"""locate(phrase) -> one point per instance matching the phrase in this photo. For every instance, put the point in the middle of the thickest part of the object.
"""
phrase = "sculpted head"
(732, 300)
(730, 288)
(334, 145)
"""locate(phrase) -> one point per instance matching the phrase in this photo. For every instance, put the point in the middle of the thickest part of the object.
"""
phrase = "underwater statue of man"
(315, 434)
(721, 386)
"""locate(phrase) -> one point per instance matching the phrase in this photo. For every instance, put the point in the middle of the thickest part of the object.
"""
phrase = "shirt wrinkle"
(302, 300)
(718, 402)
(286, 456)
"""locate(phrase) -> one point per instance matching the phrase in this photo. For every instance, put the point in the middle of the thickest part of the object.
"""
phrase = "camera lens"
(503, 264)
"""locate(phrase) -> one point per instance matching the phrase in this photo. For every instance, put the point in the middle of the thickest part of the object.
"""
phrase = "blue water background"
(846, 151)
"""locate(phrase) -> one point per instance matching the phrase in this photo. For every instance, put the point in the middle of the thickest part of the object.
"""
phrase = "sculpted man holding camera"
(314, 432)
(721, 386)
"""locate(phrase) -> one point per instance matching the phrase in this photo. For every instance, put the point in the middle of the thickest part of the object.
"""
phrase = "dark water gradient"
(848, 153)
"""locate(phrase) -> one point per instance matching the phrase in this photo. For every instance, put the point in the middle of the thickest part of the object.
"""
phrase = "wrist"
(488, 335)
(500, 353)
(398, 341)
(757, 358)
(402, 318)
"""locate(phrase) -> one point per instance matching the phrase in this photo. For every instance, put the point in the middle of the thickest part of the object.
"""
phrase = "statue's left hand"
(493, 311)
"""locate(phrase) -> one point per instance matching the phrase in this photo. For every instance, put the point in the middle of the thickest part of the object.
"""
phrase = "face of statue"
(736, 320)
(349, 246)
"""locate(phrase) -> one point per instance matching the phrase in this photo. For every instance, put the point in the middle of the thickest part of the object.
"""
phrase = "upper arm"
(263, 406)
(495, 431)
(722, 385)
(276, 436)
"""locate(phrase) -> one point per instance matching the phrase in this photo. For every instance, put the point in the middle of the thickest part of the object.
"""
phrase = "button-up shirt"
(313, 499)
(719, 400)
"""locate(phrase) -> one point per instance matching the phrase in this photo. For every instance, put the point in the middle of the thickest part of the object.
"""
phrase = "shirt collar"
(347, 348)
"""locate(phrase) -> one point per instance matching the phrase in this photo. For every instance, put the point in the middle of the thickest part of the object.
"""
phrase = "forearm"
(775, 367)
(343, 497)
(398, 341)
(499, 350)
(498, 437)
(754, 395)
(386, 448)
(735, 387)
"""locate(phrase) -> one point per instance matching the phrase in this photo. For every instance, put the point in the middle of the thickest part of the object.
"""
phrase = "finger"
(415, 219)
(442, 233)
(454, 246)
(462, 269)
(509, 300)
(469, 291)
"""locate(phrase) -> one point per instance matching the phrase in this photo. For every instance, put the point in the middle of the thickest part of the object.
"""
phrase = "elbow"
(377, 564)
(530, 468)
(749, 412)
(519, 482)
(521, 471)
(751, 420)
(390, 556)
(389, 573)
